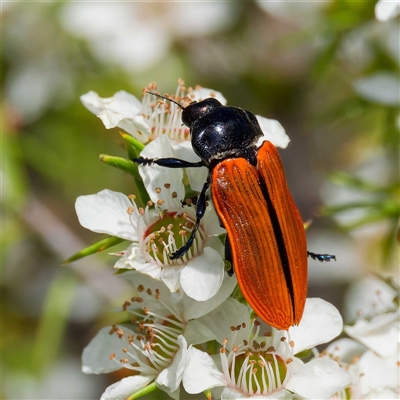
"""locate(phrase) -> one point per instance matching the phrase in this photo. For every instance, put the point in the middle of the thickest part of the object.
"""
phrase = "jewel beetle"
(266, 240)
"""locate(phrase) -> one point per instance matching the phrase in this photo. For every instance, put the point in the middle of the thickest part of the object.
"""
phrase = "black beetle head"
(224, 132)
(196, 110)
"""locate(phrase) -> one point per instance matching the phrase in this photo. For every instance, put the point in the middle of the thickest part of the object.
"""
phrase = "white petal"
(321, 323)
(345, 349)
(378, 373)
(195, 309)
(211, 222)
(273, 132)
(122, 102)
(168, 300)
(387, 9)
(122, 110)
(368, 296)
(381, 334)
(96, 355)
(133, 259)
(215, 243)
(200, 372)
(318, 379)
(381, 87)
(197, 333)
(197, 176)
(229, 313)
(171, 377)
(126, 387)
(202, 277)
(147, 268)
(106, 212)
(155, 176)
(170, 276)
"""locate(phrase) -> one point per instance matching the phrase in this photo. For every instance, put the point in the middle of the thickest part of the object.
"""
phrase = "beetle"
(266, 240)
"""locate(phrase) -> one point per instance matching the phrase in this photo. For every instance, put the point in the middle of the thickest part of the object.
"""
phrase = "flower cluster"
(371, 354)
(184, 326)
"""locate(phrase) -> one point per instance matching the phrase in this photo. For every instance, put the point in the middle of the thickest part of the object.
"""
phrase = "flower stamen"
(253, 367)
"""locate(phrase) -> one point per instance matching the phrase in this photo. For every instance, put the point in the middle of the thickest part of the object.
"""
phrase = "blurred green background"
(328, 71)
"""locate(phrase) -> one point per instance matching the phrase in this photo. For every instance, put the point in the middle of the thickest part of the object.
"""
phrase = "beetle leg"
(200, 211)
(169, 162)
(321, 257)
(228, 255)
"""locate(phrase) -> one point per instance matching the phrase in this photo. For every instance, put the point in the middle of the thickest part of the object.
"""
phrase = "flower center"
(257, 367)
(170, 232)
(261, 372)
(163, 116)
(155, 343)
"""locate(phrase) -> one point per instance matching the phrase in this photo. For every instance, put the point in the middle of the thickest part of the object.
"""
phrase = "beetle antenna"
(166, 98)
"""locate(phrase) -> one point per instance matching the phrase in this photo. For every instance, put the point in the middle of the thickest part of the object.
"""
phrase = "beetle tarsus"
(321, 257)
(144, 161)
(168, 162)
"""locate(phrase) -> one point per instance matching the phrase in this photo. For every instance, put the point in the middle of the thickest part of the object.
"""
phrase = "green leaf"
(331, 210)
(142, 392)
(345, 179)
(53, 319)
(97, 247)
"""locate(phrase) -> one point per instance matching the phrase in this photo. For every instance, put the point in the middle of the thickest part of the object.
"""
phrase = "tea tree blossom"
(376, 370)
(373, 377)
(149, 118)
(377, 326)
(152, 117)
(155, 232)
(153, 343)
(371, 355)
(263, 364)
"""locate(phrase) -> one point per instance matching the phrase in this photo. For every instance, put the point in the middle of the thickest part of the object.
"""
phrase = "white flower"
(368, 296)
(154, 344)
(373, 377)
(380, 334)
(371, 356)
(149, 118)
(155, 233)
(265, 366)
(387, 9)
(378, 325)
(153, 117)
